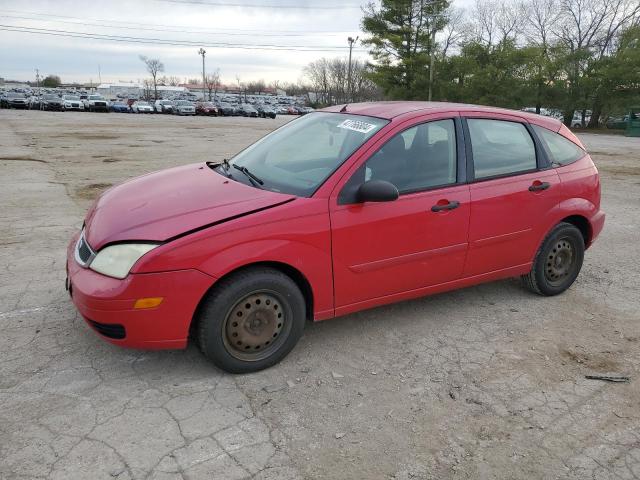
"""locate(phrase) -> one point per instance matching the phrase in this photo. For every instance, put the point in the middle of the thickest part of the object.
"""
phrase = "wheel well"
(292, 272)
(582, 224)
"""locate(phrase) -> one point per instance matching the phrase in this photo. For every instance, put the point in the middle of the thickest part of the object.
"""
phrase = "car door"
(512, 189)
(418, 240)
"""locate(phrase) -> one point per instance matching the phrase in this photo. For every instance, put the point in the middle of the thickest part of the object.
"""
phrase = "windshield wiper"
(249, 175)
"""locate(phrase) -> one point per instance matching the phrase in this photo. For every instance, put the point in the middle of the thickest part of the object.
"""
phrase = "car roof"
(392, 109)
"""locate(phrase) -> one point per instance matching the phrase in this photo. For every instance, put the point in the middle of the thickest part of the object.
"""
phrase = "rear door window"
(500, 148)
(561, 150)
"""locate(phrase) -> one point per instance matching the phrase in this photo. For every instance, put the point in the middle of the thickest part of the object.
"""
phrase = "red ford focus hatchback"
(340, 210)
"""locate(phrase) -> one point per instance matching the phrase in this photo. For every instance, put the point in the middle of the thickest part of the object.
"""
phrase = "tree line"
(570, 55)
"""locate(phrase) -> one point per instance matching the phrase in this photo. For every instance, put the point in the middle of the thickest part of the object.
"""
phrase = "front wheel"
(558, 261)
(251, 320)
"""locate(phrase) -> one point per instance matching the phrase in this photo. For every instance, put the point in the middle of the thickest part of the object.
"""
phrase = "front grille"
(109, 330)
(84, 253)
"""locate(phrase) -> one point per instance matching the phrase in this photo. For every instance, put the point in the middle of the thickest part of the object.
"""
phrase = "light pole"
(432, 61)
(351, 41)
(202, 52)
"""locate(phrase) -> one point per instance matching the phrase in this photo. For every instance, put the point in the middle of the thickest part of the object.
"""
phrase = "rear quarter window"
(561, 150)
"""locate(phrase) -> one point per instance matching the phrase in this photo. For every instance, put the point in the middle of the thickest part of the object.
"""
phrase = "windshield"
(184, 102)
(300, 156)
(142, 103)
(95, 97)
(71, 97)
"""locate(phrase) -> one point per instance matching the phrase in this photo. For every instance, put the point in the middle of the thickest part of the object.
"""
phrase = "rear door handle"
(538, 186)
(445, 206)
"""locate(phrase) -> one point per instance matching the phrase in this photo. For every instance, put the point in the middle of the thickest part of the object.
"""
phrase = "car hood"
(169, 203)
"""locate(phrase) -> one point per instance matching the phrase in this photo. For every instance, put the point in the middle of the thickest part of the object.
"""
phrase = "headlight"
(116, 260)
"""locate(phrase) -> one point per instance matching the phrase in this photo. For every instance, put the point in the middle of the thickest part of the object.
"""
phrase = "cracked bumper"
(109, 302)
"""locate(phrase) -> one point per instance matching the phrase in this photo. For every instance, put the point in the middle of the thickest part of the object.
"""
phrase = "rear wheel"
(251, 320)
(558, 261)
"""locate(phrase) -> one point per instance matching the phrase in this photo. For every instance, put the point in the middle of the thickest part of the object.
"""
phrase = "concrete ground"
(485, 382)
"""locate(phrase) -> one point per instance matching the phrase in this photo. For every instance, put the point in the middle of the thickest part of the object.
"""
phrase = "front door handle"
(538, 186)
(445, 206)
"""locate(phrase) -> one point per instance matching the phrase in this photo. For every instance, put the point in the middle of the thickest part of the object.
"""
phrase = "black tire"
(558, 261)
(227, 333)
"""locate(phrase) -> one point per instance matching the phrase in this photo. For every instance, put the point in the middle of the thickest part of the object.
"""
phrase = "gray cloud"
(77, 59)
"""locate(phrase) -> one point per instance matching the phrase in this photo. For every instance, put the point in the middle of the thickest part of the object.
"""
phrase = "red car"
(340, 210)
(206, 108)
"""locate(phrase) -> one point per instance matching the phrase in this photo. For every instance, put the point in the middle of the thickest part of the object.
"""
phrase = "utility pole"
(351, 41)
(38, 79)
(432, 60)
(202, 52)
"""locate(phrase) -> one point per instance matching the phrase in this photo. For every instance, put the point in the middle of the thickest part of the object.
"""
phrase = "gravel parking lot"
(485, 382)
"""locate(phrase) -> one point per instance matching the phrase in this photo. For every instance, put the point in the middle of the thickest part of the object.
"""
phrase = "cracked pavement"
(485, 382)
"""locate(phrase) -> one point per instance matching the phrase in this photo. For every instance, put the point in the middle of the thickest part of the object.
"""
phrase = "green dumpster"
(633, 122)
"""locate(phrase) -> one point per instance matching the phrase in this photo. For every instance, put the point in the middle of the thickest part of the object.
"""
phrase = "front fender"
(274, 235)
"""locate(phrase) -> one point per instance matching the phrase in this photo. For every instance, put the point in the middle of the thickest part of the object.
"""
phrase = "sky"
(250, 39)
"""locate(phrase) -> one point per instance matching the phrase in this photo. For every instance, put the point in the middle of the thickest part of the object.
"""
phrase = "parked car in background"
(163, 106)
(304, 110)
(206, 108)
(184, 107)
(291, 110)
(226, 109)
(576, 122)
(617, 123)
(72, 102)
(51, 102)
(95, 103)
(266, 111)
(16, 100)
(247, 110)
(241, 254)
(142, 107)
(35, 101)
(119, 107)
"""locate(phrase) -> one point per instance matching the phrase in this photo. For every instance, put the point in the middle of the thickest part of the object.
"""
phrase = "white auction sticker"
(357, 126)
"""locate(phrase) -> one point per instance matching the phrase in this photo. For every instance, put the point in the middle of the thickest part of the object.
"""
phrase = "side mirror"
(377, 191)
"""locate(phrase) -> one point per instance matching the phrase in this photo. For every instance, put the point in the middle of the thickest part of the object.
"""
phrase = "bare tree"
(276, 85)
(484, 15)
(154, 66)
(147, 84)
(327, 79)
(257, 86)
(587, 28)
(541, 18)
(496, 22)
(453, 31)
(213, 83)
(509, 21)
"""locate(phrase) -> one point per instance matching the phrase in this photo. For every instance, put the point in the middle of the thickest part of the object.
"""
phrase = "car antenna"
(344, 109)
